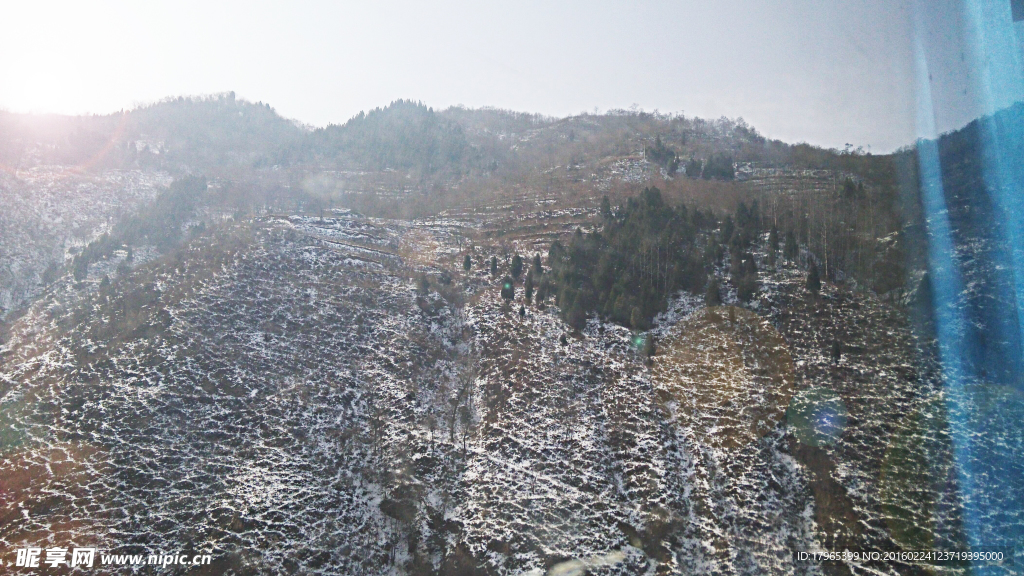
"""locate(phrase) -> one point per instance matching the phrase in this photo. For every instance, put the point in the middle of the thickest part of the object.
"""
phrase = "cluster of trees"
(717, 167)
(647, 250)
(200, 132)
(663, 156)
(744, 272)
(534, 283)
(164, 224)
(219, 130)
(850, 231)
(204, 132)
(693, 167)
(840, 234)
(405, 135)
(740, 234)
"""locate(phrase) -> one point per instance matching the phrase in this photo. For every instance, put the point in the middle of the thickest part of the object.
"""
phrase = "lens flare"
(638, 341)
(817, 416)
(116, 138)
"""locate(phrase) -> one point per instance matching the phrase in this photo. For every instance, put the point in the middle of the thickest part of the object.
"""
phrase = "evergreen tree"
(80, 268)
(538, 269)
(735, 265)
(728, 229)
(852, 191)
(744, 275)
(713, 296)
(719, 167)
(636, 319)
(662, 155)
(750, 266)
(543, 290)
(837, 352)
(712, 253)
(508, 288)
(813, 279)
(649, 250)
(529, 286)
(494, 265)
(522, 311)
(726, 170)
(791, 250)
(606, 208)
(574, 309)
(710, 168)
(467, 263)
(649, 349)
(773, 240)
(747, 287)
(422, 285)
(693, 168)
(517, 266)
(555, 253)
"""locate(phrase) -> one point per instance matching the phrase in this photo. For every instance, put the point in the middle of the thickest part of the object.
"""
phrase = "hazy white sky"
(824, 72)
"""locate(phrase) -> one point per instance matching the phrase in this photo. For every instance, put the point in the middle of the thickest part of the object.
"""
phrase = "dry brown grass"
(730, 373)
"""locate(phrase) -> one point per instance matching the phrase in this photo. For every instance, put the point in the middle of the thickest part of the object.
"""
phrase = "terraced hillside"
(281, 394)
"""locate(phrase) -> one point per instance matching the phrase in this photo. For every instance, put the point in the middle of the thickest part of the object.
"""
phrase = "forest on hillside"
(699, 205)
(647, 249)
